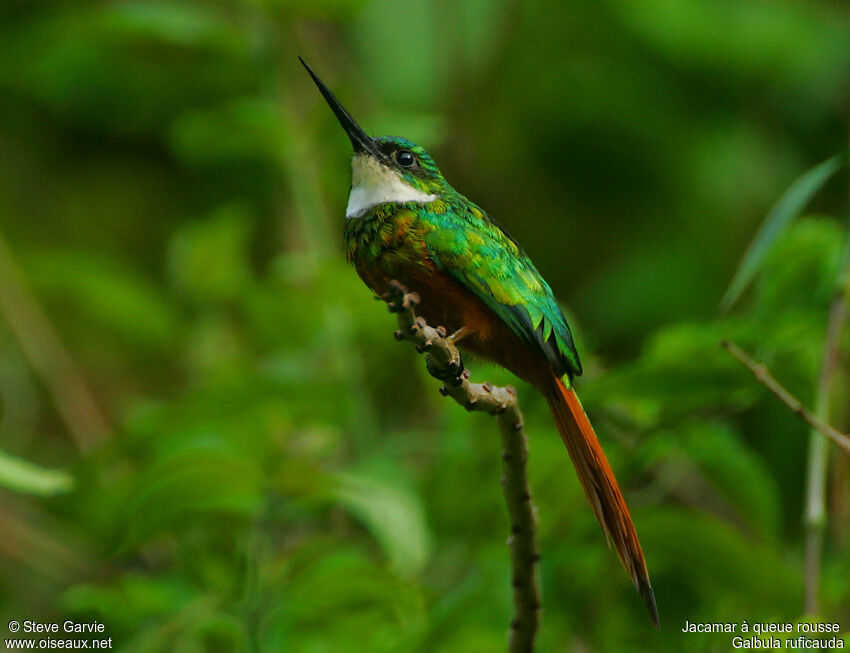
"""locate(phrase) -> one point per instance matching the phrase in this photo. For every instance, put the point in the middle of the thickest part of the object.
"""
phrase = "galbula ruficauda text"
(405, 222)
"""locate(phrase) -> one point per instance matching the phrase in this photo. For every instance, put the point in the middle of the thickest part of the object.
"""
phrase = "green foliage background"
(280, 475)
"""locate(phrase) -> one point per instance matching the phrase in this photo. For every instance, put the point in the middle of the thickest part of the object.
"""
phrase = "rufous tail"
(600, 486)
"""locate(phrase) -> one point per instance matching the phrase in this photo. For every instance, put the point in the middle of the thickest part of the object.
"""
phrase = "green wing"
(466, 244)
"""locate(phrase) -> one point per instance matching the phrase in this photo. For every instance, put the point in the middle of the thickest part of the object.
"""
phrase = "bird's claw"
(398, 298)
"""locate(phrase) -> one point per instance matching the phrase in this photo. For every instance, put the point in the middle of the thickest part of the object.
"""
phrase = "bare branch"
(761, 373)
(444, 363)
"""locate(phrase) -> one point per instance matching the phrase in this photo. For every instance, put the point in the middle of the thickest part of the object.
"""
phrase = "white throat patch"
(373, 184)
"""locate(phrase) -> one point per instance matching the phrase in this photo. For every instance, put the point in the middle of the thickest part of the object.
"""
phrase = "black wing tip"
(645, 590)
(533, 336)
(568, 365)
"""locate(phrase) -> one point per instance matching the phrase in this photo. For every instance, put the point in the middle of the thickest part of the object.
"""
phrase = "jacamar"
(405, 222)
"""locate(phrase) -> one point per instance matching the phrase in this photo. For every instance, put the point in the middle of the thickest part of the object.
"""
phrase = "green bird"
(405, 222)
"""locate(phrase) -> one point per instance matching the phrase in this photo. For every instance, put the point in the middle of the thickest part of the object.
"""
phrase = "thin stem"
(815, 516)
(444, 363)
(761, 373)
(815, 511)
(45, 352)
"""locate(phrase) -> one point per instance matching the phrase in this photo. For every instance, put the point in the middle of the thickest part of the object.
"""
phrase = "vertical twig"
(814, 517)
(444, 363)
(815, 508)
(48, 356)
(523, 541)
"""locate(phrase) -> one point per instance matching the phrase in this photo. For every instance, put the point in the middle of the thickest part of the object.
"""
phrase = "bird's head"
(384, 170)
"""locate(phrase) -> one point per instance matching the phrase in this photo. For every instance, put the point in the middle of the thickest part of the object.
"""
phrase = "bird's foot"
(459, 335)
(398, 298)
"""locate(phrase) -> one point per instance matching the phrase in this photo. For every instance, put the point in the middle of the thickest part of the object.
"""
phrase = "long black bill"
(359, 139)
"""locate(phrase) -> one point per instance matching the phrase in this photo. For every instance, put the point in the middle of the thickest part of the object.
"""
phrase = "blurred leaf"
(208, 260)
(408, 80)
(718, 563)
(735, 471)
(22, 476)
(19, 396)
(128, 600)
(187, 486)
(127, 68)
(316, 9)
(371, 606)
(105, 294)
(788, 207)
(176, 23)
(215, 350)
(214, 631)
(743, 38)
(245, 128)
(393, 515)
(681, 371)
(799, 273)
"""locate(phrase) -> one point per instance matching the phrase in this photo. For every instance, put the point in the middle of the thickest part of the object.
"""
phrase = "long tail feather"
(600, 486)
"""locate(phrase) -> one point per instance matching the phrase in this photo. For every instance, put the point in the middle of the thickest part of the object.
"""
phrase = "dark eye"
(405, 158)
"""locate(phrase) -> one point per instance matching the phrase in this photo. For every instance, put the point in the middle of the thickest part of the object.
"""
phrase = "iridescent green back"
(478, 253)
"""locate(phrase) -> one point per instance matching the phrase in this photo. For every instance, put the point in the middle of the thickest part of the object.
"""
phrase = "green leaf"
(23, 476)
(187, 487)
(682, 371)
(800, 272)
(393, 515)
(718, 562)
(177, 24)
(724, 460)
(208, 260)
(243, 129)
(103, 293)
(789, 206)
